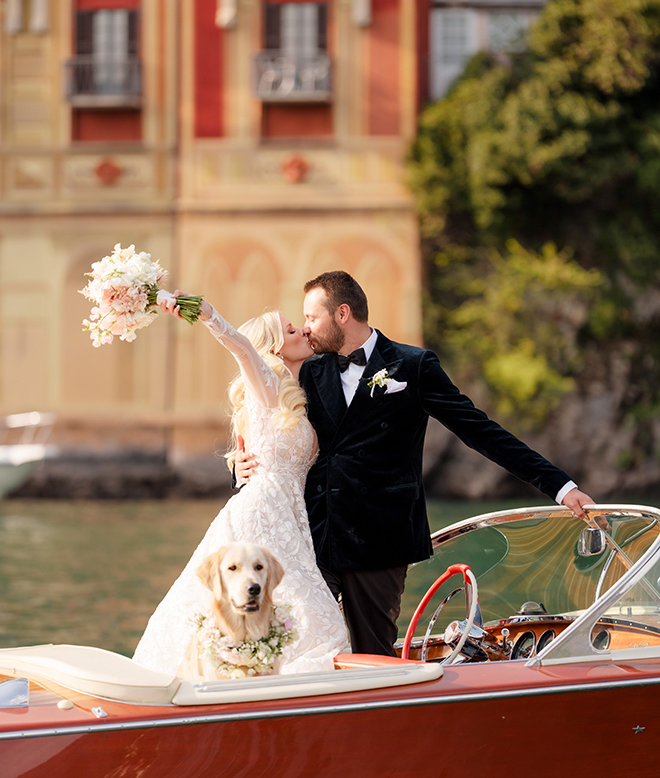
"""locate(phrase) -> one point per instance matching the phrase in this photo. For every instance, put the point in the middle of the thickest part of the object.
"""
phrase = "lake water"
(91, 573)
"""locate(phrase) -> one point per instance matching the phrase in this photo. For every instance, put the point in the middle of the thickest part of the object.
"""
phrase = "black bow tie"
(358, 356)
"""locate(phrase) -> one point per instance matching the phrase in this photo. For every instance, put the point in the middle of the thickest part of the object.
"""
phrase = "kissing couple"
(333, 417)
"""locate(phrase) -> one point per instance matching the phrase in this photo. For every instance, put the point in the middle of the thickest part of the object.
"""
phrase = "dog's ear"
(275, 571)
(209, 573)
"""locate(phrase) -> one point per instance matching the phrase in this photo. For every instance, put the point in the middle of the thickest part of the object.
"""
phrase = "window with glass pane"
(106, 53)
(506, 31)
(453, 42)
(296, 29)
(294, 64)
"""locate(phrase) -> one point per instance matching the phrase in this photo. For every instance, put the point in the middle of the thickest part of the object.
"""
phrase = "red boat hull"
(575, 721)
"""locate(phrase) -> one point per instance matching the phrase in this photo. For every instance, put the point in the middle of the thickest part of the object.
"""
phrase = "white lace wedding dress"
(270, 511)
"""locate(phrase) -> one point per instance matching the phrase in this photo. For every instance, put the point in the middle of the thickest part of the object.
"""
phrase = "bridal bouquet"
(125, 287)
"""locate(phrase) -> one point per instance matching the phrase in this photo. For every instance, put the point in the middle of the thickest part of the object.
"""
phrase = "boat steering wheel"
(472, 608)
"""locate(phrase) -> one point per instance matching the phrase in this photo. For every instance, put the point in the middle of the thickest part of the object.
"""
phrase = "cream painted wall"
(245, 263)
(47, 360)
(218, 213)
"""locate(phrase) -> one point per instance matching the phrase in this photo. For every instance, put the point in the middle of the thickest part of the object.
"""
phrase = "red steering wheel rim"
(458, 569)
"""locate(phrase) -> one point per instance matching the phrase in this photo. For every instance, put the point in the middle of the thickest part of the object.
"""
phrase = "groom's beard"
(330, 342)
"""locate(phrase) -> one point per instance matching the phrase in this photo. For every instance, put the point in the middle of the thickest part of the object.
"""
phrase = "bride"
(269, 411)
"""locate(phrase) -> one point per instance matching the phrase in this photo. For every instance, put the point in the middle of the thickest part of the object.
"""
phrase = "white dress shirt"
(350, 378)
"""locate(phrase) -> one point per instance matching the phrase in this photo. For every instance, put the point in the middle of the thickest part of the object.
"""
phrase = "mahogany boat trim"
(399, 702)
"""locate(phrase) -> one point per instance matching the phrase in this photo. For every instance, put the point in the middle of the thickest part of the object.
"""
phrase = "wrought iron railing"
(284, 78)
(91, 81)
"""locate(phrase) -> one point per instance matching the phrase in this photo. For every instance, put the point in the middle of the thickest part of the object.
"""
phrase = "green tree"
(558, 145)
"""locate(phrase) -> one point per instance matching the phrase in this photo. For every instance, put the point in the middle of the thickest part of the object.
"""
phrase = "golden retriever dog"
(241, 577)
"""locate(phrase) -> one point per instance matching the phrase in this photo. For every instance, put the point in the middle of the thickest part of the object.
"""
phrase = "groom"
(369, 400)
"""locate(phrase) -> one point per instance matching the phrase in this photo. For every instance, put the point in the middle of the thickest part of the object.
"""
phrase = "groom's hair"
(341, 289)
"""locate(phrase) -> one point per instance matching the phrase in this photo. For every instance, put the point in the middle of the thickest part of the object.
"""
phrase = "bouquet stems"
(189, 305)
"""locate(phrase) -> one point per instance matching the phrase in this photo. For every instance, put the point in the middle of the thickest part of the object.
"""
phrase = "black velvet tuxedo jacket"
(364, 493)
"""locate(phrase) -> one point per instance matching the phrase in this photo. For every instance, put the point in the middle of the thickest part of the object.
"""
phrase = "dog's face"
(243, 575)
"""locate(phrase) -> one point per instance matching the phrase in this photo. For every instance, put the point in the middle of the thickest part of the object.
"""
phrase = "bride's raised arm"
(257, 375)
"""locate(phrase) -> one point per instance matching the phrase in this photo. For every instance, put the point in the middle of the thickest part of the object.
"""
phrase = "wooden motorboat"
(542, 658)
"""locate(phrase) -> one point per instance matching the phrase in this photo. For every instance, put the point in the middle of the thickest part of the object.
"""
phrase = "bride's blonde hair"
(266, 335)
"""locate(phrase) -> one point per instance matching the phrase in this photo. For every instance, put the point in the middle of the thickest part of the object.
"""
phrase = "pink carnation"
(124, 299)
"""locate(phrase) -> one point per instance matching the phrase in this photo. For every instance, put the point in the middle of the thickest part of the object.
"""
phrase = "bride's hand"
(170, 306)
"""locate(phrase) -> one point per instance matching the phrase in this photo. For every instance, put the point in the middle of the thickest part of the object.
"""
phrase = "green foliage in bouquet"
(554, 146)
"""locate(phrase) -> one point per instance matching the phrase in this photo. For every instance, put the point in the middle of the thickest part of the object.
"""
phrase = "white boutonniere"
(383, 378)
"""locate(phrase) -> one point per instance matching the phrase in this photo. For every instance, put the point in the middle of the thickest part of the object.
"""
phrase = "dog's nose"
(254, 589)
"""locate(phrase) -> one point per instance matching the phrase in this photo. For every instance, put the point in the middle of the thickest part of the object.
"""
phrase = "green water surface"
(91, 573)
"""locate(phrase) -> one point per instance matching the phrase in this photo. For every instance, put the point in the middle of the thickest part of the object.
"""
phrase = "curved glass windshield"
(530, 564)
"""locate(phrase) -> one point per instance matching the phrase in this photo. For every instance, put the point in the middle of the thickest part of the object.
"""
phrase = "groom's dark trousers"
(364, 494)
(371, 601)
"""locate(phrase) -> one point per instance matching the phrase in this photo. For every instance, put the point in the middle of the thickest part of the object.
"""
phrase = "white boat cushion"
(100, 673)
(92, 671)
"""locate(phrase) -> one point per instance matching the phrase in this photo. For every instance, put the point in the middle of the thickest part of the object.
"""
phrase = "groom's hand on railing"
(244, 464)
(576, 500)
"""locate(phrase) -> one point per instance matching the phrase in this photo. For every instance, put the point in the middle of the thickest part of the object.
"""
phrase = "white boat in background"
(23, 446)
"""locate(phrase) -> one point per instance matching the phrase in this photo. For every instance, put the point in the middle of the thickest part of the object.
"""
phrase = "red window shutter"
(84, 26)
(133, 33)
(272, 27)
(323, 27)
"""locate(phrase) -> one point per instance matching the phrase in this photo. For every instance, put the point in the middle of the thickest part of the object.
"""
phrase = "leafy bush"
(555, 146)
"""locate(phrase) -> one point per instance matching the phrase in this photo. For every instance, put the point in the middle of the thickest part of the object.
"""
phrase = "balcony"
(282, 78)
(96, 83)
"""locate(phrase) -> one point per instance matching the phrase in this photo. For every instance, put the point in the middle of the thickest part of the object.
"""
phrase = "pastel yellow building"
(248, 145)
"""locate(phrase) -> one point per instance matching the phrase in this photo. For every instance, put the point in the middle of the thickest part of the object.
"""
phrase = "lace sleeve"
(259, 379)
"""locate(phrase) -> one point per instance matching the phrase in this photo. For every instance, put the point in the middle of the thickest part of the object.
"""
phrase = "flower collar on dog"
(251, 657)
